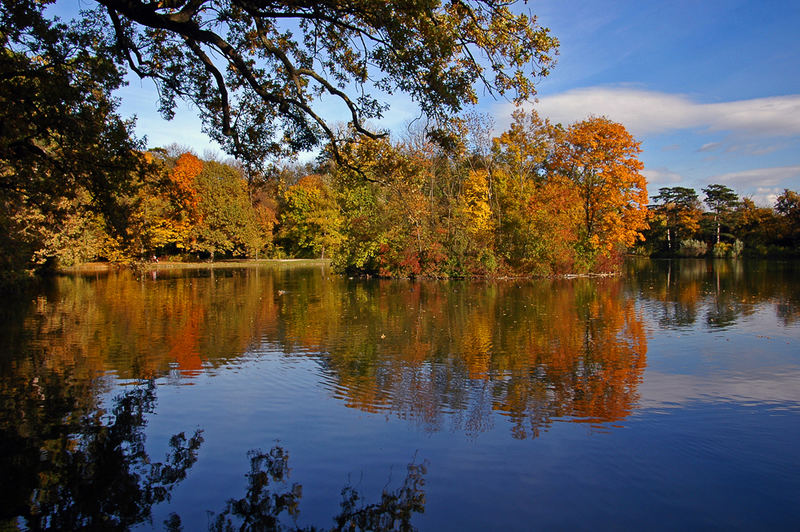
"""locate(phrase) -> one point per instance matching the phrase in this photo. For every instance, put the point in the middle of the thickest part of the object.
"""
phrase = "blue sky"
(712, 88)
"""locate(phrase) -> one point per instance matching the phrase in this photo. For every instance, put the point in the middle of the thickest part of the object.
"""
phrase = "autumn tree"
(310, 220)
(679, 208)
(60, 133)
(722, 201)
(390, 219)
(185, 198)
(788, 207)
(537, 219)
(756, 226)
(227, 221)
(600, 158)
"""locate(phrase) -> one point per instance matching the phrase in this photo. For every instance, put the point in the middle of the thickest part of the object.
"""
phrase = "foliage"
(788, 207)
(721, 249)
(497, 205)
(748, 229)
(693, 248)
(60, 135)
(228, 221)
(256, 70)
(736, 248)
(599, 158)
(256, 73)
(310, 221)
(537, 218)
(677, 210)
(722, 201)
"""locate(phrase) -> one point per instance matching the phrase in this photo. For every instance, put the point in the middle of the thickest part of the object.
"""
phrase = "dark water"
(290, 398)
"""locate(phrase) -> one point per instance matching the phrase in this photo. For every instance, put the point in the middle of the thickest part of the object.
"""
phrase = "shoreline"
(93, 267)
(104, 267)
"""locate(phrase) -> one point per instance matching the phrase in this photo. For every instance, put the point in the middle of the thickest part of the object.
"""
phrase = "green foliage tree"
(311, 219)
(228, 222)
(722, 201)
(679, 210)
(256, 70)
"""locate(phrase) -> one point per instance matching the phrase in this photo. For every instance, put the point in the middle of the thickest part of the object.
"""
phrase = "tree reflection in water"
(269, 498)
(70, 467)
(70, 464)
(460, 355)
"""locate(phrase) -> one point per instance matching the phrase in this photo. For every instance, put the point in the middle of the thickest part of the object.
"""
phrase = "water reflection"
(465, 357)
(716, 293)
(457, 355)
(71, 464)
(264, 505)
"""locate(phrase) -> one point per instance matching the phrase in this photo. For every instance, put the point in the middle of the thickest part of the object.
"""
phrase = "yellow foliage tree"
(474, 203)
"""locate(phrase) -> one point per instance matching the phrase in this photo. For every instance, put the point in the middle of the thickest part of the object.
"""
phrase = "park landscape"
(483, 319)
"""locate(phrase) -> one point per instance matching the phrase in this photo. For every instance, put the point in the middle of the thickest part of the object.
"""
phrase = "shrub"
(721, 249)
(737, 248)
(692, 248)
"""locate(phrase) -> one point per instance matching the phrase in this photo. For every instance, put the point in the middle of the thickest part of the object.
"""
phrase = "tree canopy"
(721, 200)
(257, 71)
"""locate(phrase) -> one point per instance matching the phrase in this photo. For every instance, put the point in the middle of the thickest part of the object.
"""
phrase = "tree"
(256, 69)
(600, 158)
(182, 190)
(537, 218)
(228, 222)
(311, 219)
(59, 130)
(680, 209)
(755, 226)
(721, 200)
(788, 207)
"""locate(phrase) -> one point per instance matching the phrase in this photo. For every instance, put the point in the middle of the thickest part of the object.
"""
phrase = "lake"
(287, 397)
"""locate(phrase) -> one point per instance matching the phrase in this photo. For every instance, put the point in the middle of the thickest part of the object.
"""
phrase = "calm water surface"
(290, 398)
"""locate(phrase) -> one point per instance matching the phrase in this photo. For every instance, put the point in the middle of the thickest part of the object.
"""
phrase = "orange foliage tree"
(185, 197)
(599, 157)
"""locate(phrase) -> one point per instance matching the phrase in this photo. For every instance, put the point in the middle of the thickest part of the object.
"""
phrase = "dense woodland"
(538, 199)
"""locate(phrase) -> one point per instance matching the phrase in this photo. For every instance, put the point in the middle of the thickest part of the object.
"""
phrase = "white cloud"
(788, 176)
(661, 176)
(762, 185)
(765, 196)
(711, 146)
(754, 149)
(650, 112)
